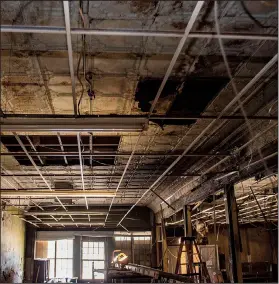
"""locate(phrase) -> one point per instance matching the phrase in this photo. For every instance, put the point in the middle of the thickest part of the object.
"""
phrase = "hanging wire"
(235, 90)
(257, 22)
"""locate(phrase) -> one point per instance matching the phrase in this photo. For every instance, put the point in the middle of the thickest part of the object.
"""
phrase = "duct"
(267, 67)
(134, 33)
(100, 124)
(60, 193)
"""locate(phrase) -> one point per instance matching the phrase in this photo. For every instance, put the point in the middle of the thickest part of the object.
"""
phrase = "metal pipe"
(233, 101)
(106, 176)
(70, 189)
(108, 154)
(141, 118)
(81, 168)
(177, 53)
(137, 33)
(57, 193)
(70, 52)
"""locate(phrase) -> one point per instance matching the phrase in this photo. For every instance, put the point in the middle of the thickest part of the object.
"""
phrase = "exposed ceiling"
(184, 151)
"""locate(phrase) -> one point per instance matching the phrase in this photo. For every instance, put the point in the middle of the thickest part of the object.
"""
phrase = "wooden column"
(188, 232)
(158, 246)
(234, 235)
(164, 244)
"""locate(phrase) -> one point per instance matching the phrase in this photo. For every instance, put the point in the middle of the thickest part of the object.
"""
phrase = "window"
(142, 248)
(120, 238)
(51, 257)
(60, 255)
(93, 256)
(64, 258)
(142, 238)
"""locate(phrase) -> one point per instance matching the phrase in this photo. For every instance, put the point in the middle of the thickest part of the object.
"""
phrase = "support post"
(153, 241)
(158, 247)
(188, 232)
(132, 249)
(164, 244)
(187, 221)
(234, 235)
(77, 257)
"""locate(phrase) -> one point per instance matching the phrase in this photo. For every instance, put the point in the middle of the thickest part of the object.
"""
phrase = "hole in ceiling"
(147, 89)
(194, 97)
(50, 144)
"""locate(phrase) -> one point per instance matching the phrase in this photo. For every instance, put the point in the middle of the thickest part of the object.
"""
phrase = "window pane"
(95, 250)
(86, 269)
(99, 264)
(50, 249)
(51, 268)
(64, 268)
(99, 275)
(64, 249)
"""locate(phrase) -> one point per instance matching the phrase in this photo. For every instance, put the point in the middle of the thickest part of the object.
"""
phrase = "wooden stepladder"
(190, 244)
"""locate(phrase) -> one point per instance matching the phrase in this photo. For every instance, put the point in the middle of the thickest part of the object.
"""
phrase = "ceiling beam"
(185, 116)
(56, 193)
(96, 212)
(63, 223)
(108, 154)
(134, 33)
(30, 174)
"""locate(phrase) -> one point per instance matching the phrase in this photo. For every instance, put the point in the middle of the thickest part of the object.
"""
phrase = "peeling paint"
(12, 248)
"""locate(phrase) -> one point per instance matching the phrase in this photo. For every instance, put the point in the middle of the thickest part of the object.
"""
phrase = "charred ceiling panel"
(50, 146)
(148, 88)
(194, 96)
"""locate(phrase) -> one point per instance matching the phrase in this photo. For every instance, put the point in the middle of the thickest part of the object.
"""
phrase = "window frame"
(61, 258)
(102, 270)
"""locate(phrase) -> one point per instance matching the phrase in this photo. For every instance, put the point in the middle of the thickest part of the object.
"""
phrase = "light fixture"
(91, 124)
